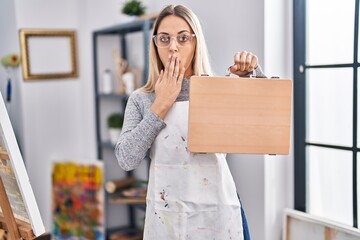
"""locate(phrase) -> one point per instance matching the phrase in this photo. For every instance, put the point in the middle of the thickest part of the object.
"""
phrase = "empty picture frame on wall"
(48, 54)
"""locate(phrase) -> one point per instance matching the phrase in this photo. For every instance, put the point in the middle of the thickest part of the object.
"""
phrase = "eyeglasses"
(163, 40)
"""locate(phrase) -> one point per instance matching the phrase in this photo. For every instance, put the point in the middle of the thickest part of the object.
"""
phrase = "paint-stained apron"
(190, 196)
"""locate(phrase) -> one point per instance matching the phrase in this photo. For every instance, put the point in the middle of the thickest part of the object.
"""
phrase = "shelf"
(4, 155)
(104, 102)
(124, 233)
(134, 26)
(113, 96)
(122, 198)
(127, 200)
(107, 144)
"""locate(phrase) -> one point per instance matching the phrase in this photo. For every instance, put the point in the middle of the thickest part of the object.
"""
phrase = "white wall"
(58, 115)
(279, 172)
(52, 113)
(10, 44)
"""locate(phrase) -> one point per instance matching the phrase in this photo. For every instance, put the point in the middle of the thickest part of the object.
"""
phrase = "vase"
(131, 18)
(114, 134)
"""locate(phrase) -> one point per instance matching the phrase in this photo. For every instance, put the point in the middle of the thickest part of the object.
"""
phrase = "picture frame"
(48, 54)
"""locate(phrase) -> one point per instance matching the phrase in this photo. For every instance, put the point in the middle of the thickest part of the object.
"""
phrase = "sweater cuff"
(154, 124)
(256, 73)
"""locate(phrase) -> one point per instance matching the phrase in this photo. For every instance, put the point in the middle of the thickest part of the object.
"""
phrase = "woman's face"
(174, 26)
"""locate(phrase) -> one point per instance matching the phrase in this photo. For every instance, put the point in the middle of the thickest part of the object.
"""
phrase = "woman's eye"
(183, 38)
(164, 38)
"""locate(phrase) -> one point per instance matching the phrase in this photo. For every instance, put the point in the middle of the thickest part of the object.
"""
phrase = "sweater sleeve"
(257, 73)
(140, 128)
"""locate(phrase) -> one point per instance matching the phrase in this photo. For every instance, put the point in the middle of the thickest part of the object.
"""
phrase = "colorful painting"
(78, 201)
(15, 178)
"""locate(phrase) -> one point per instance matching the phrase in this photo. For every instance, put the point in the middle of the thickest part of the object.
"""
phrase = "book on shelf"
(117, 184)
(127, 190)
(135, 196)
(139, 192)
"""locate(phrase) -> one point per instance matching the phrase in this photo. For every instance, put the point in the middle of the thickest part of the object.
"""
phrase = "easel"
(11, 229)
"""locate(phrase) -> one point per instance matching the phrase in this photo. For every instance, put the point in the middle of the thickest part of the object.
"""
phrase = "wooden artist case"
(239, 115)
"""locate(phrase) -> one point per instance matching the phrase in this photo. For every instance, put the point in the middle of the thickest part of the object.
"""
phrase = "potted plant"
(133, 8)
(115, 122)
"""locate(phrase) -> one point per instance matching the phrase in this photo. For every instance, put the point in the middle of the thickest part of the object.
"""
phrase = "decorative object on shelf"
(129, 82)
(138, 75)
(127, 190)
(78, 201)
(133, 8)
(48, 54)
(115, 122)
(114, 185)
(107, 82)
(10, 62)
(121, 66)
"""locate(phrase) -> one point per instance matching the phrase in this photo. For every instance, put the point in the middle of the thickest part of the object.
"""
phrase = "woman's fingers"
(161, 75)
(176, 69)
(169, 82)
(248, 61)
(253, 63)
(237, 61)
(171, 74)
(160, 78)
(234, 68)
(171, 67)
(181, 76)
(172, 70)
(166, 71)
(244, 62)
(240, 60)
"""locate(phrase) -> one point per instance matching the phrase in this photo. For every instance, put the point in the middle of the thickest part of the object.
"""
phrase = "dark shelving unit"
(121, 30)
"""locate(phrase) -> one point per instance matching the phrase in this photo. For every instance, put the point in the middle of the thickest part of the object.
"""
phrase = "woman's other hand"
(168, 87)
(244, 63)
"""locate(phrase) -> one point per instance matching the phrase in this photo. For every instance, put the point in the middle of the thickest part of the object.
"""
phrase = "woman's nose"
(173, 45)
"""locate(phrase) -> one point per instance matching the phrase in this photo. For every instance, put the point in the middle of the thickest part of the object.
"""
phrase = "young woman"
(190, 196)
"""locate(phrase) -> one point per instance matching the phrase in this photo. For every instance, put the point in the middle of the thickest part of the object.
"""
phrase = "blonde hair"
(200, 62)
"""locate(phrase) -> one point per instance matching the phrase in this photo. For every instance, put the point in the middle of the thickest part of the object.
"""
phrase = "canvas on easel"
(16, 185)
